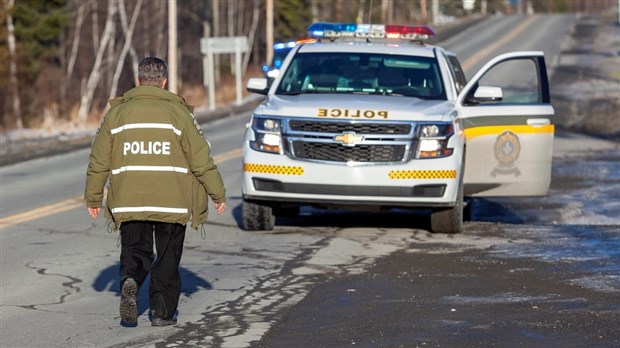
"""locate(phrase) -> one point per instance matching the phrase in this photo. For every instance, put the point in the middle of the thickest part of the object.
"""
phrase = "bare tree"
(314, 10)
(230, 7)
(95, 74)
(95, 20)
(126, 46)
(160, 46)
(13, 85)
(132, 51)
(216, 33)
(384, 11)
(255, 18)
(76, 40)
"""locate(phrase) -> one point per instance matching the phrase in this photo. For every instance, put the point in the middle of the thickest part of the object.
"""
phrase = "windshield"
(363, 73)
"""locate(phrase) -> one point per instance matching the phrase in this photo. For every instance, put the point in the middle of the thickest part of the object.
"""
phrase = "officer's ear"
(163, 83)
(137, 80)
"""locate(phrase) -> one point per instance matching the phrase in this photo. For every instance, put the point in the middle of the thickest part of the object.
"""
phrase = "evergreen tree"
(39, 25)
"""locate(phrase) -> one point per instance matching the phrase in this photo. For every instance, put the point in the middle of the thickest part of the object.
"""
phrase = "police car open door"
(506, 117)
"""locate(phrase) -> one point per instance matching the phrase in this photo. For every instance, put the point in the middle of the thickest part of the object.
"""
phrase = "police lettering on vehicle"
(355, 113)
(146, 148)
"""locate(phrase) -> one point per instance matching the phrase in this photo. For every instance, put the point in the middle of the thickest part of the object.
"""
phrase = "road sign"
(223, 44)
(218, 45)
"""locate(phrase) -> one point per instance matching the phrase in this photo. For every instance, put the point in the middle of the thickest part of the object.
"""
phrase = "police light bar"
(287, 45)
(372, 31)
(282, 45)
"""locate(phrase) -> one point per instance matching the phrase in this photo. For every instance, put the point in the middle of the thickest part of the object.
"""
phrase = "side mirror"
(486, 94)
(258, 85)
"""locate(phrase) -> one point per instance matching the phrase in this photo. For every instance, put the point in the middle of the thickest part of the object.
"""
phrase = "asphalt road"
(526, 272)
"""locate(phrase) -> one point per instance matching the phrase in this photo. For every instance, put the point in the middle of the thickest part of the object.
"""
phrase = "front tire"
(257, 217)
(449, 220)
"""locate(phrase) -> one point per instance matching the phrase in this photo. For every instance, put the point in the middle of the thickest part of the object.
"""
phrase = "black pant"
(137, 260)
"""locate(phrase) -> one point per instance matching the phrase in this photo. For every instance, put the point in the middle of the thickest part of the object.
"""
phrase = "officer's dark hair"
(152, 71)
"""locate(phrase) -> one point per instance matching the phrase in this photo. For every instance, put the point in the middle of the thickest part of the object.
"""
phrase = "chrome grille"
(358, 128)
(339, 153)
(322, 140)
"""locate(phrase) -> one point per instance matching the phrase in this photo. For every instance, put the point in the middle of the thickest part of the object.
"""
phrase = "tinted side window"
(457, 72)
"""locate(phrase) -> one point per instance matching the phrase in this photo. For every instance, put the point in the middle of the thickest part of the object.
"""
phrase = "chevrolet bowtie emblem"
(349, 138)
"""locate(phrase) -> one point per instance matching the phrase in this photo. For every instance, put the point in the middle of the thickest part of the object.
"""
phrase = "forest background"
(62, 60)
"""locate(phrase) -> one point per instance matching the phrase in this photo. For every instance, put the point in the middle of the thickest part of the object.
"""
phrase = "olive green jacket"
(157, 161)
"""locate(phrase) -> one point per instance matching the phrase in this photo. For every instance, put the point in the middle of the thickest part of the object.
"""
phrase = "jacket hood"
(351, 106)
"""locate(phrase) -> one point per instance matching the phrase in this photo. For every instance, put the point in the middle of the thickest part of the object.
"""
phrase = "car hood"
(356, 107)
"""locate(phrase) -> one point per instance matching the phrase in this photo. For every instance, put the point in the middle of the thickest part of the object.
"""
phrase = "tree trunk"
(231, 30)
(360, 12)
(255, 18)
(216, 33)
(132, 50)
(95, 20)
(126, 46)
(423, 11)
(76, 41)
(13, 85)
(160, 49)
(95, 74)
(314, 10)
(111, 54)
(384, 11)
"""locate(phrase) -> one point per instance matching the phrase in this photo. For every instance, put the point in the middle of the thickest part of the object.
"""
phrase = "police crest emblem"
(507, 149)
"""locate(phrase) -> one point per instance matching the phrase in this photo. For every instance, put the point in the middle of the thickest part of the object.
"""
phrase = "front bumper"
(417, 183)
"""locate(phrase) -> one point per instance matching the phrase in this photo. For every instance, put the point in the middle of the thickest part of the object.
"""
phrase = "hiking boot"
(163, 322)
(129, 301)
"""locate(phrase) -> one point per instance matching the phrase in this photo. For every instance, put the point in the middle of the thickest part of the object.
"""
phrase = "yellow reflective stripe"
(474, 132)
(422, 174)
(273, 169)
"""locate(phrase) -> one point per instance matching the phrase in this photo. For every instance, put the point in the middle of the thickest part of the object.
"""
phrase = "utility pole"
(269, 31)
(172, 46)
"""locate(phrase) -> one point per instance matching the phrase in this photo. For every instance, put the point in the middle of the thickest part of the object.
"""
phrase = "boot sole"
(129, 303)
(163, 322)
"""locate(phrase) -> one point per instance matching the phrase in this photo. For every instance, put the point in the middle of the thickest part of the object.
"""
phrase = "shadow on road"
(108, 280)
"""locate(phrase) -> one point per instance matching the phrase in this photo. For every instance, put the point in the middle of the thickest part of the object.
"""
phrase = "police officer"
(160, 171)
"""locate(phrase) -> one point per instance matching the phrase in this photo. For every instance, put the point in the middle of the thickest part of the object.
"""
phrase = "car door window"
(518, 81)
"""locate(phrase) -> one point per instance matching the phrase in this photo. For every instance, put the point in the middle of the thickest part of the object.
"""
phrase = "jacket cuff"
(220, 200)
(93, 204)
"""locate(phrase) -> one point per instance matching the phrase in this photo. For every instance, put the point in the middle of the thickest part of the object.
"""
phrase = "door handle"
(538, 122)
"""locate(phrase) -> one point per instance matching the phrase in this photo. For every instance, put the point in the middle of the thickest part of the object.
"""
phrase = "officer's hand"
(94, 212)
(219, 207)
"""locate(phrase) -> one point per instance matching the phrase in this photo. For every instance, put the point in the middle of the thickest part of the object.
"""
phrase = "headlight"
(434, 140)
(267, 135)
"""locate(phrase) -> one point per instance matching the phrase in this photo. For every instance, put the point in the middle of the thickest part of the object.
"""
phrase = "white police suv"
(369, 116)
